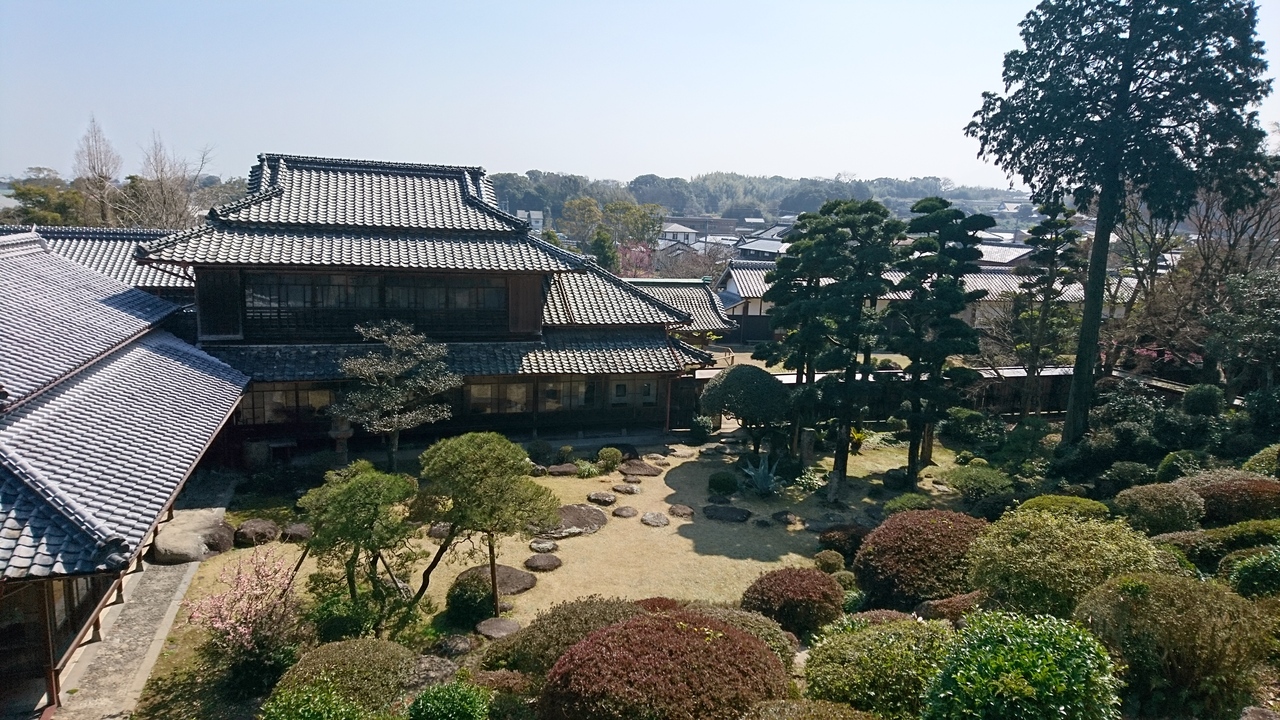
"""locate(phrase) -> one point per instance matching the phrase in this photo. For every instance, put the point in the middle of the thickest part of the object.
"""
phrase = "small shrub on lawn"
(976, 483)
(541, 452)
(318, 701)
(1078, 507)
(804, 710)
(1232, 501)
(564, 454)
(1179, 463)
(536, 647)
(454, 701)
(1190, 648)
(847, 580)
(723, 482)
(608, 459)
(1158, 509)
(1203, 400)
(908, 501)
(828, 561)
(844, 539)
(701, 429)
(1206, 548)
(800, 600)
(676, 666)
(370, 673)
(914, 556)
(757, 626)
(1003, 666)
(587, 469)
(1257, 576)
(1264, 462)
(1042, 563)
(881, 669)
(469, 600)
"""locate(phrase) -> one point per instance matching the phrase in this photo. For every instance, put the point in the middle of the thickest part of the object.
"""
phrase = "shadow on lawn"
(192, 692)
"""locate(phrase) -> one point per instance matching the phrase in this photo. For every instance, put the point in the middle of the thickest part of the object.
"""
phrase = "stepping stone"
(639, 467)
(719, 500)
(562, 470)
(625, 511)
(763, 523)
(676, 452)
(657, 460)
(786, 517)
(624, 489)
(543, 562)
(575, 520)
(681, 511)
(633, 479)
(726, 513)
(511, 581)
(497, 628)
(653, 519)
(544, 546)
(439, 530)
(602, 498)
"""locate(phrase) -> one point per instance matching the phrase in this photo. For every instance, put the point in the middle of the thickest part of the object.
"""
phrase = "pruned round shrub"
(853, 622)
(659, 604)
(536, 647)
(1042, 563)
(828, 561)
(800, 600)
(881, 669)
(469, 600)
(676, 666)
(1203, 400)
(1195, 481)
(907, 501)
(1123, 475)
(317, 701)
(1263, 462)
(844, 539)
(804, 710)
(1190, 648)
(1176, 464)
(452, 701)
(700, 430)
(847, 580)
(756, 625)
(914, 556)
(854, 600)
(1206, 548)
(608, 459)
(1228, 563)
(1227, 502)
(1257, 576)
(723, 482)
(1157, 509)
(953, 608)
(1078, 507)
(1003, 665)
(370, 673)
(880, 617)
(541, 452)
(976, 482)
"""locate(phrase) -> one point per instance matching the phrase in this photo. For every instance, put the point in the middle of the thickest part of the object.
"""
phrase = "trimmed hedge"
(976, 483)
(1042, 563)
(1264, 462)
(908, 501)
(370, 673)
(1206, 548)
(536, 647)
(844, 539)
(1190, 648)
(1209, 477)
(1157, 509)
(915, 556)
(882, 669)
(829, 561)
(452, 701)
(608, 459)
(800, 600)
(1258, 576)
(676, 666)
(469, 600)
(1232, 501)
(756, 625)
(804, 710)
(659, 604)
(318, 701)
(1079, 507)
(1004, 666)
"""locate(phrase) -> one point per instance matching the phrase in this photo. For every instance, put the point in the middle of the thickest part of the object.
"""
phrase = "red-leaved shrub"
(880, 617)
(674, 666)
(915, 556)
(844, 539)
(659, 604)
(953, 608)
(1231, 501)
(800, 600)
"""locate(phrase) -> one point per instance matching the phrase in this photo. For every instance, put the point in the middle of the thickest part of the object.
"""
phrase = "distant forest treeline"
(730, 194)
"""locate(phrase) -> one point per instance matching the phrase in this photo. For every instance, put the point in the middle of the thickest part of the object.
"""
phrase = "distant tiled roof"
(748, 275)
(87, 467)
(764, 245)
(1003, 253)
(596, 297)
(692, 296)
(585, 352)
(56, 316)
(108, 251)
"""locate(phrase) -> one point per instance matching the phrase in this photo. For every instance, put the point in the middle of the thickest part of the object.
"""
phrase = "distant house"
(741, 288)
(1004, 254)
(694, 297)
(533, 217)
(674, 232)
(103, 416)
(762, 249)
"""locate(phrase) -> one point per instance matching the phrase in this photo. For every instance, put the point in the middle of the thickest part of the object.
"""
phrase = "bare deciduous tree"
(97, 167)
(162, 195)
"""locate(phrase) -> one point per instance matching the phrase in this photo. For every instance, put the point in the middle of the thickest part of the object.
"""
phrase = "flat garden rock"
(581, 519)
(786, 517)
(719, 500)
(681, 511)
(764, 522)
(511, 581)
(543, 562)
(256, 531)
(219, 538)
(454, 646)
(174, 547)
(726, 513)
(439, 530)
(626, 489)
(544, 546)
(633, 479)
(639, 467)
(496, 628)
(602, 498)
(296, 532)
(657, 460)
(562, 470)
(625, 511)
(679, 452)
(654, 519)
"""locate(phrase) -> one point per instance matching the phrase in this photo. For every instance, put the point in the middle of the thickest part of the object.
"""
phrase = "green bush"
(757, 626)
(813, 478)
(1206, 548)
(587, 469)
(370, 673)
(536, 647)
(317, 701)
(701, 429)
(964, 457)
(1189, 648)
(335, 617)
(1228, 563)
(800, 600)
(908, 501)
(469, 600)
(1042, 563)
(1078, 507)
(972, 428)
(1157, 509)
(1264, 462)
(1202, 400)
(881, 669)
(975, 483)
(847, 580)
(454, 701)
(541, 452)
(829, 561)
(1176, 464)
(804, 710)
(1123, 475)
(1258, 576)
(1003, 666)
(564, 454)
(854, 621)
(854, 599)
(723, 482)
(914, 556)
(608, 459)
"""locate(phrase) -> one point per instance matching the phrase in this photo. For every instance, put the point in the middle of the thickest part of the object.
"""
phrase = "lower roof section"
(560, 352)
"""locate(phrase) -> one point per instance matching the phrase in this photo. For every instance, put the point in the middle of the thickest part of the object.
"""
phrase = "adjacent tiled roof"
(108, 251)
(748, 275)
(585, 352)
(693, 297)
(596, 297)
(56, 316)
(87, 467)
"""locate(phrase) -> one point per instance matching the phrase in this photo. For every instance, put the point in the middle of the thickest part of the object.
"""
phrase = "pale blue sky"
(606, 89)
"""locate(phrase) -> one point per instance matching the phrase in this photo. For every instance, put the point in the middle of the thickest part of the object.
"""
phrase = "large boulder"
(256, 531)
(639, 467)
(174, 547)
(296, 533)
(219, 538)
(562, 470)
(580, 519)
(511, 581)
(726, 513)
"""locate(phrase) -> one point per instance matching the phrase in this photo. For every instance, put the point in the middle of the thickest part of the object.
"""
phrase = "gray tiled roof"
(1003, 253)
(694, 297)
(748, 275)
(596, 297)
(586, 352)
(108, 251)
(87, 467)
(57, 315)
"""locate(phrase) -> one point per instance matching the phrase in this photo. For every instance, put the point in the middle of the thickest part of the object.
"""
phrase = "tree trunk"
(926, 446)
(393, 445)
(351, 574)
(445, 544)
(916, 425)
(493, 573)
(841, 467)
(1081, 397)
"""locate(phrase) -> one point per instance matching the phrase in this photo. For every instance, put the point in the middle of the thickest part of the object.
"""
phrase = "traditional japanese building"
(544, 338)
(707, 317)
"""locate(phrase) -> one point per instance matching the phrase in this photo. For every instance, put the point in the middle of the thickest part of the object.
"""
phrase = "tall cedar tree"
(1156, 94)
(395, 386)
(923, 325)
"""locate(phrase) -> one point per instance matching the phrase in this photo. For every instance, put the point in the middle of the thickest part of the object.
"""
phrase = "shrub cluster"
(1227, 502)
(1228, 563)
(453, 701)
(368, 672)
(1008, 666)
(829, 561)
(976, 483)
(1264, 462)
(1257, 576)
(608, 459)
(858, 621)
(676, 666)
(800, 600)
(914, 556)
(1078, 507)
(660, 604)
(1190, 648)
(317, 701)
(756, 625)
(1157, 509)
(953, 608)
(972, 428)
(723, 482)
(701, 429)
(1198, 480)
(804, 710)
(907, 501)
(536, 647)
(1204, 400)
(1206, 548)
(847, 580)
(883, 669)
(1176, 464)
(1042, 563)
(469, 600)
(844, 539)
(1123, 475)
